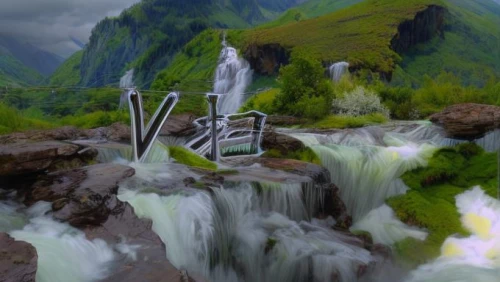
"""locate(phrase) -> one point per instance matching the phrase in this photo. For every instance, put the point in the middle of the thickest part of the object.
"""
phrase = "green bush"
(359, 102)
(306, 91)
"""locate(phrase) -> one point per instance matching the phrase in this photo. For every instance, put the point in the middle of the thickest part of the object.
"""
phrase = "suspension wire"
(81, 88)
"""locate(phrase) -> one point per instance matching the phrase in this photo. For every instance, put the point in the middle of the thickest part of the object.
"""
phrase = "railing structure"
(213, 128)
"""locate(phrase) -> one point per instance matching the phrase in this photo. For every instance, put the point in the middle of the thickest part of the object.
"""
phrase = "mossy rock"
(305, 155)
(430, 203)
(189, 158)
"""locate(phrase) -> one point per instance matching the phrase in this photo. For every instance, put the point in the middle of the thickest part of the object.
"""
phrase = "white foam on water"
(385, 228)
(236, 234)
(64, 254)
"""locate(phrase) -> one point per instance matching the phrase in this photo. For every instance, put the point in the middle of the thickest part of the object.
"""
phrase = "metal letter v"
(142, 140)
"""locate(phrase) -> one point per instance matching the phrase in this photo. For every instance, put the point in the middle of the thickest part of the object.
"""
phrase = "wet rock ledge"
(468, 121)
(18, 260)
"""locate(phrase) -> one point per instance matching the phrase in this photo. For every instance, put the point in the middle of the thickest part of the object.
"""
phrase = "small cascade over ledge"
(337, 70)
(127, 80)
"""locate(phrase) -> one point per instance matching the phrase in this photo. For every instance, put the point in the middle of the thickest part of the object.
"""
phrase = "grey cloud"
(50, 24)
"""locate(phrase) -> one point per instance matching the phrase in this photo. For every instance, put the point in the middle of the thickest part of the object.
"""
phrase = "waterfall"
(385, 228)
(108, 153)
(337, 70)
(232, 77)
(64, 254)
(248, 232)
(366, 164)
(126, 81)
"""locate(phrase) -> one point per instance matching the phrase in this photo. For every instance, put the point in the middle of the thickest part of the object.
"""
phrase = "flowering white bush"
(358, 102)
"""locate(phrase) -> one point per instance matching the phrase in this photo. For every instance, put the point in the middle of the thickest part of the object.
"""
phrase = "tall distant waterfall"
(127, 80)
(232, 77)
(337, 70)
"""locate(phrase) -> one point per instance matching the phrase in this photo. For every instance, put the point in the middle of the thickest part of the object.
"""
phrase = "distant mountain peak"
(31, 56)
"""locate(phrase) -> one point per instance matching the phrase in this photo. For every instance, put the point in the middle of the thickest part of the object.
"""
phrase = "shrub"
(359, 102)
(306, 91)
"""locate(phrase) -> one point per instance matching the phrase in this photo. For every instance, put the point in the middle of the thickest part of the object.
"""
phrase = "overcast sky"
(49, 24)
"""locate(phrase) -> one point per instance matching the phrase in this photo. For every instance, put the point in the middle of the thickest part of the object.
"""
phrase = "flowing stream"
(64, 254)
(266, 231)
(248, 232)
(366, 163)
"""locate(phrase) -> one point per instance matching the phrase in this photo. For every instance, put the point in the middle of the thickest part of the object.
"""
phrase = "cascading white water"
(337, 70)
(244, 233)
(127, 80)
(64, 254)
(385, 228)
(108, 153)
(474, 258)
(232, 77)
(366, 164)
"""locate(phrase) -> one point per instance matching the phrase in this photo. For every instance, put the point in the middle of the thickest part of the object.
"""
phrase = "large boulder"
(83, 196)
(284, 120)
(468, 121)
(179, 125)
(150, 263)
(18, 260)
(272, 140)
(27, 158)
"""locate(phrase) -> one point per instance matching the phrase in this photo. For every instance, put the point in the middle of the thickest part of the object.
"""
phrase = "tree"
(306, 91)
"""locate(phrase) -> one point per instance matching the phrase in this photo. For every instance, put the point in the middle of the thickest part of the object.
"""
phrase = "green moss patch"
(305, 155)
(339, 121)
(361, 33)
(430, 203)
(186, 157)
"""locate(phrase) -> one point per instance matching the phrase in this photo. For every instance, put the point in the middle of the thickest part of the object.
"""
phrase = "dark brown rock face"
(335, 207)
(267, 59)
(283, 143)
(151, 264)
(114, 132)
(421, 29)
(284, 120)
(18, 260)
(179, 125)
(84, 196)
(468, 121)
(27, 158)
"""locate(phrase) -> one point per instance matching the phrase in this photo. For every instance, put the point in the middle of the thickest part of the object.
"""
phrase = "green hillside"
(470, 48)
(360, 34)
(147, 35)
(14, 73)
(68, 74)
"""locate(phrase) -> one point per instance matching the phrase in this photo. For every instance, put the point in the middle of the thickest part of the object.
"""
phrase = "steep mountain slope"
(147, 35)
(68, 74)
(15, 73)
(469, 48)
(42, 61)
